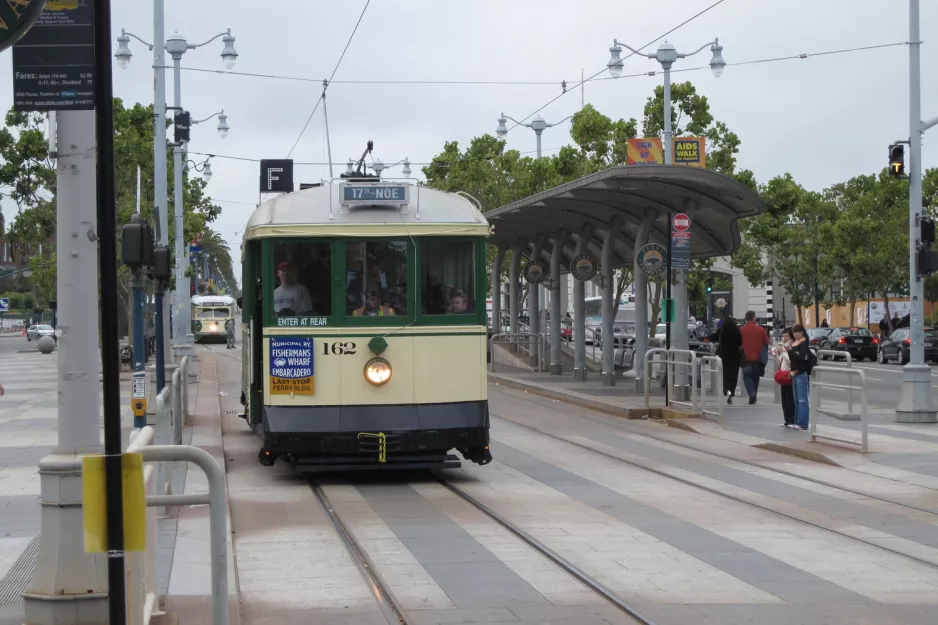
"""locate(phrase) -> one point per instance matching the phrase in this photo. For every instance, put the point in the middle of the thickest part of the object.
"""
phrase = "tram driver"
(458, 302)
(373, 307)
(291, 297)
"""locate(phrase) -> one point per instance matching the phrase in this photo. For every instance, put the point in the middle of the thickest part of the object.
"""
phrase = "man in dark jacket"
(884, 326)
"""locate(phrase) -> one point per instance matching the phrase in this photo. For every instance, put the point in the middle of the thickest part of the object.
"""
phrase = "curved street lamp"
(223, 126)
(538, 125)
(666, 55)
(205, 167)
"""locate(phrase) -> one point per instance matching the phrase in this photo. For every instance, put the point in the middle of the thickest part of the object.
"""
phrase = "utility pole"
(68, 582)
(159, 176)
(916, 403)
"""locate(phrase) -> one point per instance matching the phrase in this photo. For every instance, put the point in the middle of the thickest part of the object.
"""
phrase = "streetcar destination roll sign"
(291, 366)
(376, 194)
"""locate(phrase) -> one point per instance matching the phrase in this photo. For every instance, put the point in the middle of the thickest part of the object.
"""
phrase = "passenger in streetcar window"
(291, 297)
(397, 304)
(373, 307)
(458, 303)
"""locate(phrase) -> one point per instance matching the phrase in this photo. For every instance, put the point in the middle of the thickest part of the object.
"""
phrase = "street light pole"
(666, 55)
(538, 125)
(916, 403)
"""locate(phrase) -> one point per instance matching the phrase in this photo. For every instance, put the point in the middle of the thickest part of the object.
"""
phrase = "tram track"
(715, 491)
(391, 607)
(388, 603)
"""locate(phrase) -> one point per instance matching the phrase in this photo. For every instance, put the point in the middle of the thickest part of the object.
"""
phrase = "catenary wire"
(326, 84)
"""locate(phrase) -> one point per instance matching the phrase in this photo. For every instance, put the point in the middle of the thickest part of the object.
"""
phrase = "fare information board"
(291, 366)
(53, 64)
(375, 194)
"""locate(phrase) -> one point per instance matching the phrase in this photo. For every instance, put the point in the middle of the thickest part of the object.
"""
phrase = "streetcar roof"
(212, 300)
(428, 211)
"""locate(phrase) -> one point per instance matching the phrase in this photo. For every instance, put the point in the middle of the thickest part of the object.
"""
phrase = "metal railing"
(835, 354)
(527, 345)
(716, 371)
(143, 593)
(670, 366)
(815, 403)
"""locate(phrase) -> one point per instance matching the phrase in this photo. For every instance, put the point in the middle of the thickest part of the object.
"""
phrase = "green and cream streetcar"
(211, 315)
(364, 327)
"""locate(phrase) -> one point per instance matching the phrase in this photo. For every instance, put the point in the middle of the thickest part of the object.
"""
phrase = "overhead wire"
(326, 82)
(631, 54)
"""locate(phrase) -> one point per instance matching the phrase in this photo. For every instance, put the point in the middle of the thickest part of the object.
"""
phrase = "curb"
(674, 418)
(576, 399)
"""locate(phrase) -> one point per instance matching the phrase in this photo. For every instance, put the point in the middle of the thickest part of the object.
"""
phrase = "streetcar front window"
(375, 278)
(302, 280)
(448, 276)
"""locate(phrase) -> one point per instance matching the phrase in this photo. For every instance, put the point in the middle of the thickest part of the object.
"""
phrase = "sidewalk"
(910, 451)
(28, 431)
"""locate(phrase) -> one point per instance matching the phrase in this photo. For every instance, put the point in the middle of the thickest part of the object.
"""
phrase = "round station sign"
(653, 259)
(16, 18)
(583, 267)
(535, 272)
(680, 223)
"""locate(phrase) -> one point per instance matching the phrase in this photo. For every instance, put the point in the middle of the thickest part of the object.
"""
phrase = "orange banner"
(690, 151)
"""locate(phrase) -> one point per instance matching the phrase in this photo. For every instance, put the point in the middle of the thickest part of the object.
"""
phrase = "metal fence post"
(815, 402)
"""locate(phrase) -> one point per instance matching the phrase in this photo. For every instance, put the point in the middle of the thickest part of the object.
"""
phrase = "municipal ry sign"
(15, 19)
(653, 259)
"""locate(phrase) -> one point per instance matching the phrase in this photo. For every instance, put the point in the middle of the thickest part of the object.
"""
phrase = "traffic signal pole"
(917, 404)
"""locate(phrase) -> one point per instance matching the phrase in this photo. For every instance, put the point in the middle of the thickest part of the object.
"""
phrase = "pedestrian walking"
(755, 356)
(783, 379)
(231, 334)
(730, 342)
(802, 361)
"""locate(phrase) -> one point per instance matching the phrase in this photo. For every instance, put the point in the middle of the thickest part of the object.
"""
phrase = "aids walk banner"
(689, 151)
(291, 366)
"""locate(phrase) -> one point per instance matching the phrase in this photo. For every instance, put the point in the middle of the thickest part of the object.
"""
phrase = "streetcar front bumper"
(375, 437)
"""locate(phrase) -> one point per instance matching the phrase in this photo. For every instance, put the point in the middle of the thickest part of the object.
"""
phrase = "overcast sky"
(824, 118)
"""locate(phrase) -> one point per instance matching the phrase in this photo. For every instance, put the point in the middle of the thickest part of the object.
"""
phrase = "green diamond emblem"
(377, 345)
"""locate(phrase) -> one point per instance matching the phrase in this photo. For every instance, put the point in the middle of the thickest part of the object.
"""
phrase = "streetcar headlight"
(378, 371)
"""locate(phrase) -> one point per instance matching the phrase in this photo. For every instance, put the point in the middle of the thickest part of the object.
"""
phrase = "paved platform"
(28, 431)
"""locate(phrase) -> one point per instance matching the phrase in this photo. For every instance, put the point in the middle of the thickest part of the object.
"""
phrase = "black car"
(896, 346)
(858, 342)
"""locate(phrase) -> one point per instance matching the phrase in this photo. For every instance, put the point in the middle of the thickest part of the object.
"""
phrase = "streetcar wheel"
(267, 457)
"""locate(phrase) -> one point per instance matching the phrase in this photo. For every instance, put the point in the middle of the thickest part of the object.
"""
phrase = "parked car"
(858, 342)
(896, 346)
(36, 332)
(816, 335)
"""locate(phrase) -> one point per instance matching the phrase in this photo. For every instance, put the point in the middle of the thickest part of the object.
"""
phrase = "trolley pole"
(110, 345)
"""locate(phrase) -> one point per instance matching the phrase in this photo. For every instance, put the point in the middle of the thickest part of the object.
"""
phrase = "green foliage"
(27, 176)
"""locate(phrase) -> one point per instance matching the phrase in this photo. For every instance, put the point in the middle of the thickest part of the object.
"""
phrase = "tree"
(28, 177)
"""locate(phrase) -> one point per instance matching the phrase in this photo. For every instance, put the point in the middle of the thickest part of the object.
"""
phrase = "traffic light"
(927, 259)
(709, 285)
(897, 160)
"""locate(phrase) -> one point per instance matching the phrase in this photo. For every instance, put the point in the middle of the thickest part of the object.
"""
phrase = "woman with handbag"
(783, 379)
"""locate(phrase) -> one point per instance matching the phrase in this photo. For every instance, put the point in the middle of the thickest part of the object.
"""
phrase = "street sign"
(4, 304)
(195, 249)
(277, 176)
(16, 18)
(680, 223)
(53, 64)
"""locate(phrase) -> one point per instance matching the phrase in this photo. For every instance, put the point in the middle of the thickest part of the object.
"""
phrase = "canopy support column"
(608, 377)
(514, 274)
(497, 289)
(534, 300)
(641, 305)
(556, 366)
(579, 310)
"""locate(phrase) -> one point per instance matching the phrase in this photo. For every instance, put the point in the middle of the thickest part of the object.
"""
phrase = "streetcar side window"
(448, 277)
(302, 279)
(375, 278)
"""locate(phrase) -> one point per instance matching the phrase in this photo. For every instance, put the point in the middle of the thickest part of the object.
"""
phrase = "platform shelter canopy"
(714, 201)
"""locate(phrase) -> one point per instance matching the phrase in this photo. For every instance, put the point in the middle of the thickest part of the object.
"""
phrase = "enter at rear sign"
(680, 223)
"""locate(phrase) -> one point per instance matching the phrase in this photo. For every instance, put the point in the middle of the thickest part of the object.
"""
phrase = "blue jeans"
(800, 388)
(751, 375)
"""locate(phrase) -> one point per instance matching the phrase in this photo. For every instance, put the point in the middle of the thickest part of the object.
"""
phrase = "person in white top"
(291, 296)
